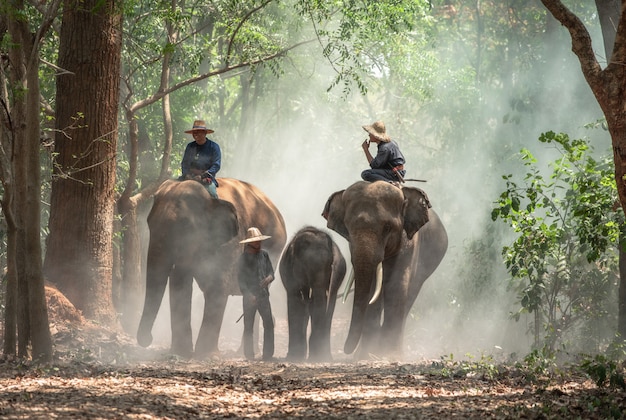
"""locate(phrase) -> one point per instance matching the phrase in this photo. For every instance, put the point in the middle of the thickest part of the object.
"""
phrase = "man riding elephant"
(195, 236)
(388, 165)
(202, 159)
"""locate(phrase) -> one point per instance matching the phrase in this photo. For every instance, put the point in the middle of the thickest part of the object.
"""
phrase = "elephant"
(396, 229)
(312, 269)
(193, 235)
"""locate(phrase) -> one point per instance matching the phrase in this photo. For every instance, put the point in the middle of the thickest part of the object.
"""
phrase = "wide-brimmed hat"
(377, 130)
(199, 125)
(253, 235)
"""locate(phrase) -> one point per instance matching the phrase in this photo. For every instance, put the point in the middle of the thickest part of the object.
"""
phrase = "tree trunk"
(132, 281)
(20, 172)
(31, 310)
(131, 295)
(40, 338)
(609, 89)
(608, 14)
(8, 185)
(79, 252)
(621, 313)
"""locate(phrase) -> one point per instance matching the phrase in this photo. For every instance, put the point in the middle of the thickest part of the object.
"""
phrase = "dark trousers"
(388, 175)
(252, 304)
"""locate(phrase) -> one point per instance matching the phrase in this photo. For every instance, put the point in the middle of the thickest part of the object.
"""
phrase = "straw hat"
(377, 130)
(199, 125)
(253, 235)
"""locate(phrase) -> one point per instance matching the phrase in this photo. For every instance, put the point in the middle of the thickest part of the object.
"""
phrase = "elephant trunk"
(365, 275)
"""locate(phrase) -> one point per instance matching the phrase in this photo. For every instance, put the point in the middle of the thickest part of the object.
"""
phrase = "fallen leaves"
(241, 389)
(103, 374)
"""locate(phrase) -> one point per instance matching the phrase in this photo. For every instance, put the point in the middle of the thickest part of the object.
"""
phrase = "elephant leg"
(156, 281)
(371, 339)
(157, 273)
(213, 316)
(395, 302)
(181, 287)
(298, 319)
(319, 342)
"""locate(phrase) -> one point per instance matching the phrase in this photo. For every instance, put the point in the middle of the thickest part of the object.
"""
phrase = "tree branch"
(236, 31)
(581, 40)
(157, 96)
(618, 57)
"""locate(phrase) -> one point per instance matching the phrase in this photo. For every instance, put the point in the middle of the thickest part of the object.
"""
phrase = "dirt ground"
(98, 373)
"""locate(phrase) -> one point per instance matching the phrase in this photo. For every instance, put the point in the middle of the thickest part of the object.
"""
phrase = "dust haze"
(304, 144)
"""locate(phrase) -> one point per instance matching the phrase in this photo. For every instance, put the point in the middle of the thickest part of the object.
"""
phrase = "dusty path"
(115, 383)
(102, 374)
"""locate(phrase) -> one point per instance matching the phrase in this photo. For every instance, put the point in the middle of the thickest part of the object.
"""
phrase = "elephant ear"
(415, 210)
(334, 211)
(223, 221)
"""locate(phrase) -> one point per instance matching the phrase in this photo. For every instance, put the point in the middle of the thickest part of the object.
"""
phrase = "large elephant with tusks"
(311, 268)
(396, 242)
(193, 235)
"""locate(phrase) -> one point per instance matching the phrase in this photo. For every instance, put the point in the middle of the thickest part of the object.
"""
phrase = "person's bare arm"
(366, 148)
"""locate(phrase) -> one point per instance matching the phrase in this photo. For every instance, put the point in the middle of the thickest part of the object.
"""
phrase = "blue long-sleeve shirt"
(388, 156)
(206, 158)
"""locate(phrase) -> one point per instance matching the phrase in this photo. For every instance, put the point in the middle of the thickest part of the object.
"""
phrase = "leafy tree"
(185, 49)
(563, 260)
(190, 46)
(608, 86)
(20, 176)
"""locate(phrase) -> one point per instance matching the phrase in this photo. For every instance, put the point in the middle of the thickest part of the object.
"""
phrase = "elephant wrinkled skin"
(193, 235)
(312, 270)
(381, 223)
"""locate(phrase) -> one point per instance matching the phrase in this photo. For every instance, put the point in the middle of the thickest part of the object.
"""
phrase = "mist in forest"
(304, 144)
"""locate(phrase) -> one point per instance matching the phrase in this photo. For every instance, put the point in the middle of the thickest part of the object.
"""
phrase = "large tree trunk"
(8, 185)
(609, 89)
(30, 312)
(609, 14)
(79, 250)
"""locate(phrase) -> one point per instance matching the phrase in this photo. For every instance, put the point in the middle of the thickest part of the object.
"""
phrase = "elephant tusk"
(346, 290)
(379, 283)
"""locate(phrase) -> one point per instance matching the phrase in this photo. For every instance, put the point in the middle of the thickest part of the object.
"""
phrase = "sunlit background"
(459, 121)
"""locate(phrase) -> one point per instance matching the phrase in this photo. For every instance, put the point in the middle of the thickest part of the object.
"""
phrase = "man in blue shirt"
(202, 159)
(388, 165)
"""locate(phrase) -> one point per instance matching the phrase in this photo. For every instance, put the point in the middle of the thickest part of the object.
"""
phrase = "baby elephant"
(312, 270)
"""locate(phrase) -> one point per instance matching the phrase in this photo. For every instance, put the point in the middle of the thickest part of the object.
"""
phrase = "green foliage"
(538, 364)
(563, 261)
(485, 367)
(359, 37)
(604, 371)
